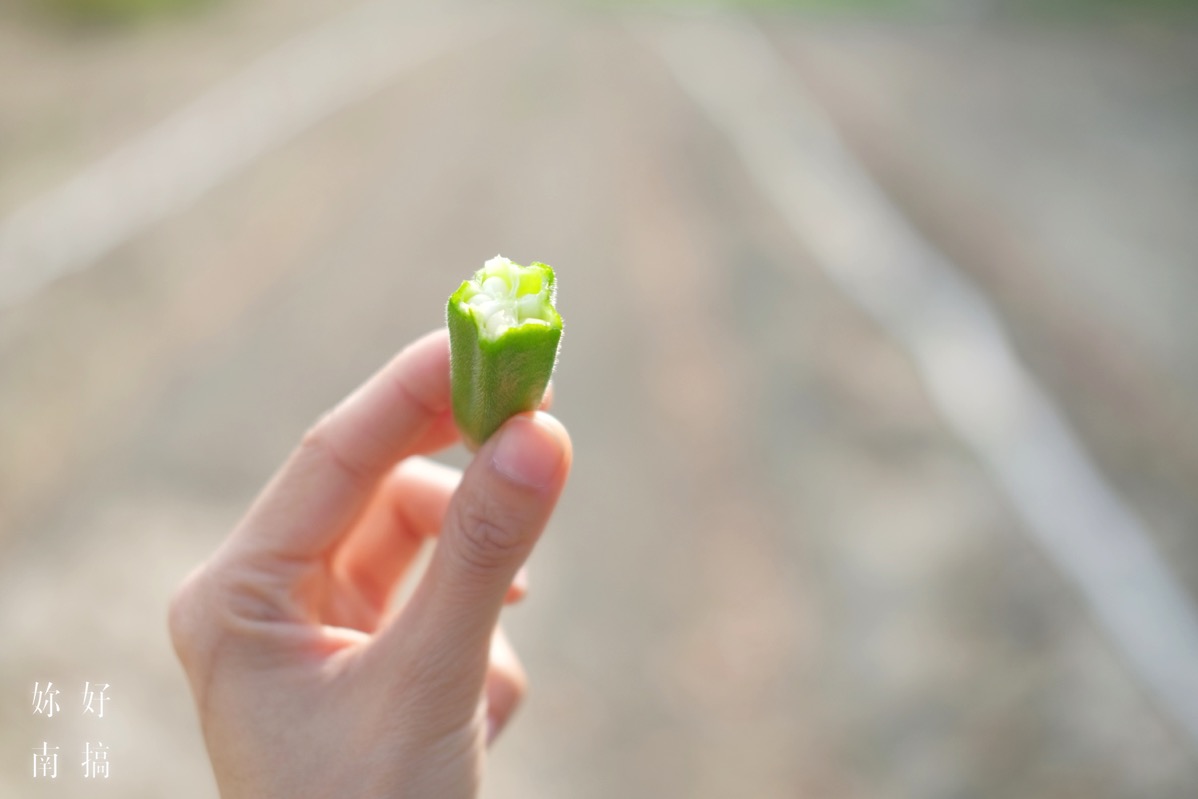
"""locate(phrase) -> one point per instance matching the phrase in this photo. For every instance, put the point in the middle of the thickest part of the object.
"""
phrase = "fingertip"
(553, 427)
(519, 587)
(533, 450)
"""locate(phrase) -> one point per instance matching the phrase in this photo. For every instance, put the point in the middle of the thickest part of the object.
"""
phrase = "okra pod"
(504, 335)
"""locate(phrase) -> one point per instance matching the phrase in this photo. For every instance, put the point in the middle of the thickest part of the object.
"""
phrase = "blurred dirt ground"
(774, 572)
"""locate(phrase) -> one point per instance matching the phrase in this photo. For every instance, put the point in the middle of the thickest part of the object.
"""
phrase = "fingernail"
(529, 452)
(518, 589)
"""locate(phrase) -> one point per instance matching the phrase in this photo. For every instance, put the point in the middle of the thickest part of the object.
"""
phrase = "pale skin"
(306, 683)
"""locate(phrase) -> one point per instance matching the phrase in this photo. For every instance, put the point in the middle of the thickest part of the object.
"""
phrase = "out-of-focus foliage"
(1046, 8)
(110, 11)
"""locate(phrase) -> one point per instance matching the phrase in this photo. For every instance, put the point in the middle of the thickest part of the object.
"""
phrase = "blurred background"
(880, 367)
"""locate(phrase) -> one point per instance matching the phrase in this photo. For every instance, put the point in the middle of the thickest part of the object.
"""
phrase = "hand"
(306, 685)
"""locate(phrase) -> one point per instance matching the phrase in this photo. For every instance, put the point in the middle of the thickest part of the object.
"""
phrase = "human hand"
(306, 685)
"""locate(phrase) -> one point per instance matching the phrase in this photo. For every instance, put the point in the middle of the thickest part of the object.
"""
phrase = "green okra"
(504, 334)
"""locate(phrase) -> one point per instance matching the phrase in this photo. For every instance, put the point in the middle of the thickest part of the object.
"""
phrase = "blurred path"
(957, 344)
(775, 573)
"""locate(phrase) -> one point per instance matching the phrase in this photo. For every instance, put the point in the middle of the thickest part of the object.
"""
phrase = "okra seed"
(529, 306)
(503, 295)
(496, 286)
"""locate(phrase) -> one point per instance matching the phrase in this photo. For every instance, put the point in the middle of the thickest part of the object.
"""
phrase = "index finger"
(327, 481)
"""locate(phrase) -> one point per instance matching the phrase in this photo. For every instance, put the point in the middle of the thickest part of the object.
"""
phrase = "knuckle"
(250, 596)
(315, 438)
(216, 605)
(317, 445)
(222, 600)
(488, 537)
(186, 616)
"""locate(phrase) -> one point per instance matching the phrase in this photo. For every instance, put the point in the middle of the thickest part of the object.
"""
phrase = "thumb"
(495, 517)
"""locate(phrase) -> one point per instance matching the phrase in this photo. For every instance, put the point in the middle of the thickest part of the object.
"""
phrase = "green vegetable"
(504, 334)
